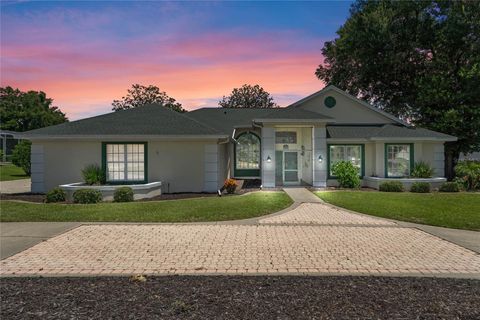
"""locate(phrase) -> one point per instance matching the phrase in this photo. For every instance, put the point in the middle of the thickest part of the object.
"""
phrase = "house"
(198, 150)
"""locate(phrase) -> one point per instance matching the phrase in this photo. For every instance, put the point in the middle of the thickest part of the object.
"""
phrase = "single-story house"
(198, 150)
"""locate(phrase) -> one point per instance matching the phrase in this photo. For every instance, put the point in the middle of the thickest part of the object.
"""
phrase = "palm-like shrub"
(347, 174)
(93, 175)
(469, 172)
(422, 169)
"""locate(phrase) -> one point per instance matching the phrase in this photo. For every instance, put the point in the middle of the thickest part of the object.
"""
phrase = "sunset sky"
(85, 54)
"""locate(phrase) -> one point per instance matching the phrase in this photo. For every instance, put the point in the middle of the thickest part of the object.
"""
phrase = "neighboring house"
(8, 143)
(197, 151)
(470, 156)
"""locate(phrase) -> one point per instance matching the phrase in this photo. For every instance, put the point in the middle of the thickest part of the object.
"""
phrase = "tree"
(140, 95)
(248, 97)
(23, 111)
(419, 60)
(21, 156)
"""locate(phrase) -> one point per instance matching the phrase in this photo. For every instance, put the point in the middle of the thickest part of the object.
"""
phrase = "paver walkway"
(15, 186)
(302, 195)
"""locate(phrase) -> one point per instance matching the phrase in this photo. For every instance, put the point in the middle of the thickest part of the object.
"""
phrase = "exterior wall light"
(269, 159)
(320, 158)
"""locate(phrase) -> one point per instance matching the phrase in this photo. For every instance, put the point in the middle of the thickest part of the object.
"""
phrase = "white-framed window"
(341, 152)
(125, 162)
(399, 159)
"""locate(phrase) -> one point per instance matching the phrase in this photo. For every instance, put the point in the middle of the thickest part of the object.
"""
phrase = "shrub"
(93, 175)
(469, 172)
(21, 156)
(55, 195)
(391, 186)
(230, 185)
(422, 170)
(87, 196)
(420, 187)
(450, 187)
(346, 174)
(123, 194)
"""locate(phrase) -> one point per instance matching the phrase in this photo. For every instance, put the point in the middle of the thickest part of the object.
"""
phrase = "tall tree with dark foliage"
(139, 95)
(248, 97)
(419, 60)
(22, 111)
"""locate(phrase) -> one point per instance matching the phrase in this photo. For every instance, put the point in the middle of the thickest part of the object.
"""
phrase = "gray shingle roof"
(147, 120)
(385, 131)
(225, 120)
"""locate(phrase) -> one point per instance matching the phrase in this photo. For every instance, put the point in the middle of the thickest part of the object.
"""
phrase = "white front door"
(290, 167)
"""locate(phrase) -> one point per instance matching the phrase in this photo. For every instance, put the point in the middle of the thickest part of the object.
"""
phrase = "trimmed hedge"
(123, 194)
(391, 186)
(55, 195)
(420, 187)
(86, 196)
(450, 187)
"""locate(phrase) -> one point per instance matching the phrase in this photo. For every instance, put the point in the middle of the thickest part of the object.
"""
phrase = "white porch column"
(268, 150)
(380, 159)
(319, 149)
(439, 159)
(37, 169)
(210, 182)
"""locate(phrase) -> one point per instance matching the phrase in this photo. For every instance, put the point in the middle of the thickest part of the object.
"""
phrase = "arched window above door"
(247, 155)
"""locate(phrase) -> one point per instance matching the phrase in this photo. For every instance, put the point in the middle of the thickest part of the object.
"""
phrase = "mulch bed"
(30, 197)
(235, 297)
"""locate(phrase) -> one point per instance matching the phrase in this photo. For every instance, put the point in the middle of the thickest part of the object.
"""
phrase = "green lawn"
(451, 210)
(10, 172)
(189, 210)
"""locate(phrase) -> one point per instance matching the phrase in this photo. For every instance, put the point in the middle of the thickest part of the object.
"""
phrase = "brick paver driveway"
(311, 239)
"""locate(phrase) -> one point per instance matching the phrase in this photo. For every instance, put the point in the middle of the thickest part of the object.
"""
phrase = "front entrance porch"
(292, 155)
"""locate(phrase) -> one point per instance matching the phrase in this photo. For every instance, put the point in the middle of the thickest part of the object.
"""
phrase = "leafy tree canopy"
(248, 97)
(419, 60)
(23, 111)
(139, 95)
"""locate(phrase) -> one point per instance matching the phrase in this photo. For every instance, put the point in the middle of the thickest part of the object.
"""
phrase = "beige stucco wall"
(346, 110)
(64, 160)
(179, 165)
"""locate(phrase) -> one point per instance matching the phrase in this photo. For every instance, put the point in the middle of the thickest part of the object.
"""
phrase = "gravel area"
(218, 297)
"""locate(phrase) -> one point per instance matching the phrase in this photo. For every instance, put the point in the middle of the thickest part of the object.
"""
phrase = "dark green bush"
(391, 186)
(469, 172)
(450, 187)
(93, 175)
(422, 170)
(420, 187)
(123, 194)
(346, 174)
(87, 196)
(21, 156)
(55, 195)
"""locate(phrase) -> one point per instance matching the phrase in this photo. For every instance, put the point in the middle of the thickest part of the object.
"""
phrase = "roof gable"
(347, 110)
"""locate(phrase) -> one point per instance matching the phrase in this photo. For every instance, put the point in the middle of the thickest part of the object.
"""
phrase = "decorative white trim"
(210, 183)
(37, 176)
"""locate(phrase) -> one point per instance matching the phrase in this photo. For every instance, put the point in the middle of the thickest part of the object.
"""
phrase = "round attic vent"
(330, 102)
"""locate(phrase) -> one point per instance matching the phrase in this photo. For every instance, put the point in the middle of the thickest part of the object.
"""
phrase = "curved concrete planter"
(374, 182)
(140, 191)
